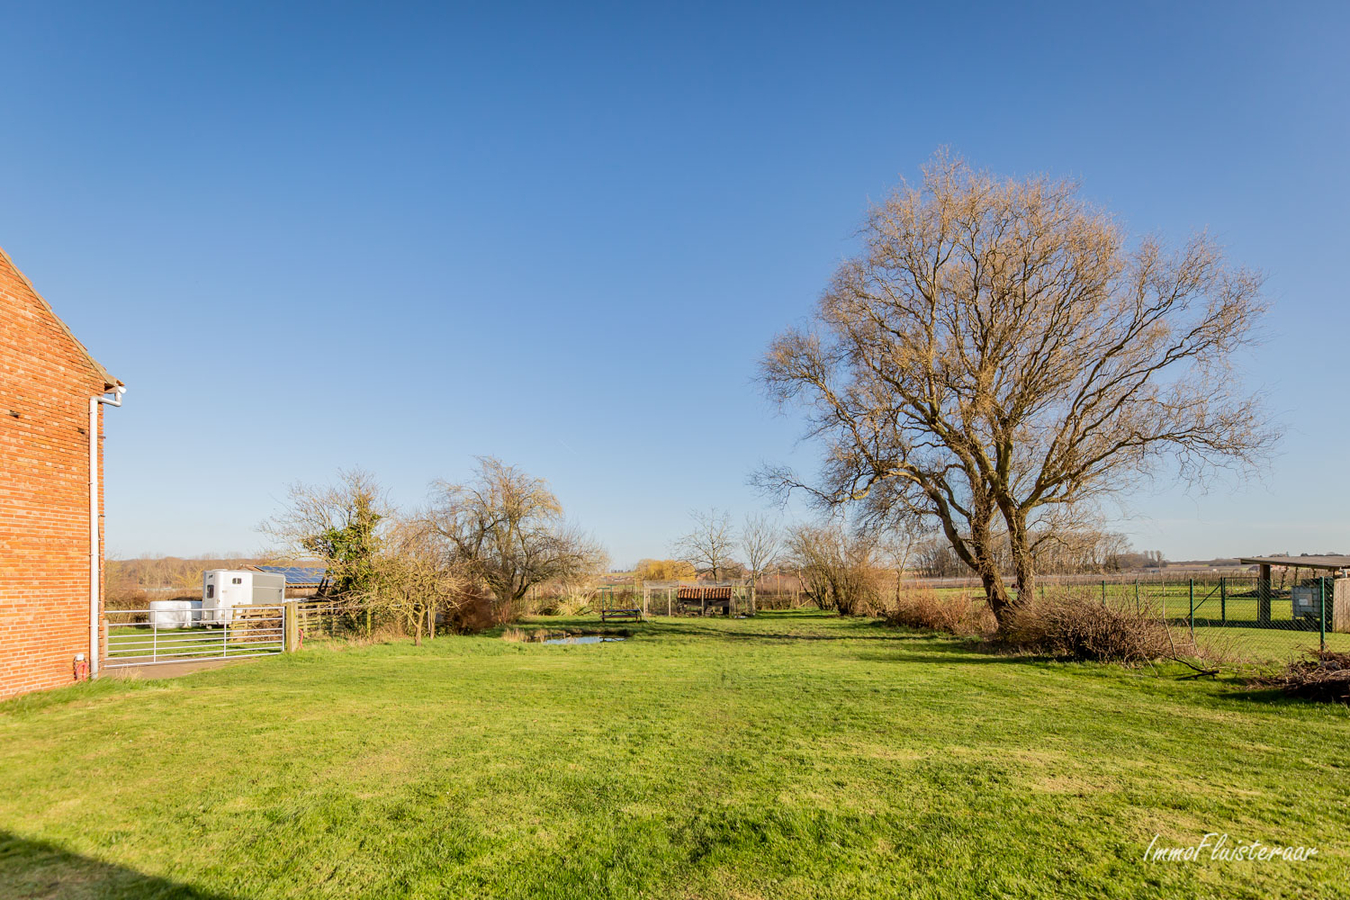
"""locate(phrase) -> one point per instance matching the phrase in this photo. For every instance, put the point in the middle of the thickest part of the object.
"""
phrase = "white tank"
(174, 613)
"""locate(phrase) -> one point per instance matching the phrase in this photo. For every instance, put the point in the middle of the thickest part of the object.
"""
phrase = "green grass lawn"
(793, 755)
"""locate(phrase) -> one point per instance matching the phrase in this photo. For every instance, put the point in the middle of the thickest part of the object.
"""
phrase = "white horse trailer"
(224, 589)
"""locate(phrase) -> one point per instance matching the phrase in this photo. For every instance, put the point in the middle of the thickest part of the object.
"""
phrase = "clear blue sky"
(397, 236)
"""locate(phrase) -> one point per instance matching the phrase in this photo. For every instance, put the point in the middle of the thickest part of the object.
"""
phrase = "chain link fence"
(1241, 617)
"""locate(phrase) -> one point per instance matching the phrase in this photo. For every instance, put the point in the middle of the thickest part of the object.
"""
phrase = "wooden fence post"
(1263, 594)
(291, 623)
(1322, 613)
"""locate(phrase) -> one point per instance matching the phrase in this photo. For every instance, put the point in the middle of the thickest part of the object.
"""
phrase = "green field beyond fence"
(1234, 614)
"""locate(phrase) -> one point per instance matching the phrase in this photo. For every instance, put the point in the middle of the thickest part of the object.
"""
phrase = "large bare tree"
(710, 543)
(1000, 357)
(507, 530)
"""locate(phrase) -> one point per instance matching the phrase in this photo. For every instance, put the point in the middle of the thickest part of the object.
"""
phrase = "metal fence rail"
(141, 637)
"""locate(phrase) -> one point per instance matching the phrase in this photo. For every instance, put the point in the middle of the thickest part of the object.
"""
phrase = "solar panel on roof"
(297, 574)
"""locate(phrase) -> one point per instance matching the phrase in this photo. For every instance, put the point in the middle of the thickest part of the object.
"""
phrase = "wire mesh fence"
(1244, 617)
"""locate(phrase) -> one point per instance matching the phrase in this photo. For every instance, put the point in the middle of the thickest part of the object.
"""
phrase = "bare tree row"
(470, 554)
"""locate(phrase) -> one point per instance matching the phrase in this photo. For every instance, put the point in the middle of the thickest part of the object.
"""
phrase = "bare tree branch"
(710, 543)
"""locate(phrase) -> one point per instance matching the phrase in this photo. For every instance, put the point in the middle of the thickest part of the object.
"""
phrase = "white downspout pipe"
(94, 556)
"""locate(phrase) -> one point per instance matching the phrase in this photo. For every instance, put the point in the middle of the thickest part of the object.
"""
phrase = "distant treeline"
(176, 573)
(1076, 552)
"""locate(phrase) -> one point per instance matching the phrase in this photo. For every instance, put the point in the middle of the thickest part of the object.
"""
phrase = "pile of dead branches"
(1322, 676)
(1066, 627)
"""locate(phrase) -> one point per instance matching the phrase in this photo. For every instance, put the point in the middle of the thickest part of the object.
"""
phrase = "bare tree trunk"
(986, 566)
(976, 550)
(1024, 564)
(996, 595)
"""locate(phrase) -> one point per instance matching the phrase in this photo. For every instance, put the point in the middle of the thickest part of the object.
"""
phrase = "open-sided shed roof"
(1301, 562)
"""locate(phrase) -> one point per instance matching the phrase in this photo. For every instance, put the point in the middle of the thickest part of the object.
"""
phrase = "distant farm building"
(52, 394)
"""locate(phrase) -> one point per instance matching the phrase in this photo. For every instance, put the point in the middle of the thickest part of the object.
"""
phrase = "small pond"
(583, 639)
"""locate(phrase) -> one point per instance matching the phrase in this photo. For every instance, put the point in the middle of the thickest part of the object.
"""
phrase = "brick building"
(52, 394)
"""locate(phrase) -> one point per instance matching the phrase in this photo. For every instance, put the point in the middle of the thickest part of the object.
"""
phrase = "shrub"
(123, 597)
(574, 605)
(836, 566)
(476, 612)
(564, 601)
(1068, 628)
(916, 606)
(776, 600)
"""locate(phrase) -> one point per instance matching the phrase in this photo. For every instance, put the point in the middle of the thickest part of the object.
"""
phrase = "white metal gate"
(141, 637)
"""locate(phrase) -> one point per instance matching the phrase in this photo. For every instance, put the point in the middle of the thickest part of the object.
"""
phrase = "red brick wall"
(46, 380)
